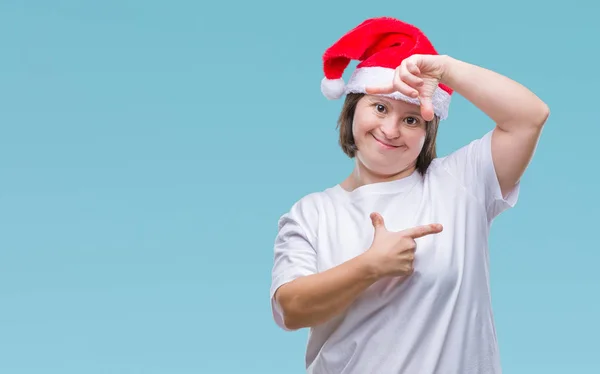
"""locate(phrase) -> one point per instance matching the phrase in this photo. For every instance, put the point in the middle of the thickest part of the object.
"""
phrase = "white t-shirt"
(438, 320)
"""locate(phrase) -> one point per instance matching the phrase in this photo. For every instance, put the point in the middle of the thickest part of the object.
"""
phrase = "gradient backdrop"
(148, 148)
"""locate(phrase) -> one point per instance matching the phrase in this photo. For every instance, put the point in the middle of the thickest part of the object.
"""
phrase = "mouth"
(385, 145)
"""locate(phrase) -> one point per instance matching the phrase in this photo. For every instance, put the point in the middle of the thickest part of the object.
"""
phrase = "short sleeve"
(473, 167)
(294, 251)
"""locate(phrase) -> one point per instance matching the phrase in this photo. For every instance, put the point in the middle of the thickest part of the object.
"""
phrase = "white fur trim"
(333, 88)
(374, 76)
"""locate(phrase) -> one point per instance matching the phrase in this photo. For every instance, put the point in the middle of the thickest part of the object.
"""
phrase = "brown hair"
(346, 139)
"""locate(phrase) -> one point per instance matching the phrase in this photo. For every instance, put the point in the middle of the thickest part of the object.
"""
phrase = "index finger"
(378, 90)
(420, 231)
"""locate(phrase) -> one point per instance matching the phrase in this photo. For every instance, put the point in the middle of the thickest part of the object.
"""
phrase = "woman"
(389, 268)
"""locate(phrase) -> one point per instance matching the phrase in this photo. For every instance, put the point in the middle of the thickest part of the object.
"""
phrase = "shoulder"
(476, 151)
(472, 168)
(307, 206)
(306, 212)
(467, 162)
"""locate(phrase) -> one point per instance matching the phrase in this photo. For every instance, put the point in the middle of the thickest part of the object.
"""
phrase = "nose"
(391, 130)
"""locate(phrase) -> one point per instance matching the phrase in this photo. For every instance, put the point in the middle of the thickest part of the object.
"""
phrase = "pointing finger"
(420, 231)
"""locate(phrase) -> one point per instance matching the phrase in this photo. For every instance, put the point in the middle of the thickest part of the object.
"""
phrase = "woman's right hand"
(393, 253)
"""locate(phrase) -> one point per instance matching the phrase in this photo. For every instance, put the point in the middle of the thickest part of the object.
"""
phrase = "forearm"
(509, 104)
(315, 299)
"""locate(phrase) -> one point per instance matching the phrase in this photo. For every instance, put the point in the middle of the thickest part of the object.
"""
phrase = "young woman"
(389, 268)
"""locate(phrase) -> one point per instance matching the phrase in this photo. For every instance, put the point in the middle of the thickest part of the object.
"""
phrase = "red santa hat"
(380, 44)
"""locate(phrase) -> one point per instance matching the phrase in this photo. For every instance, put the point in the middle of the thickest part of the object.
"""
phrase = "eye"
(380, 108)
(412, 121)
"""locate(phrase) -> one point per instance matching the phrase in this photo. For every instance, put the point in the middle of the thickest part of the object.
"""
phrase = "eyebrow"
(379, 98)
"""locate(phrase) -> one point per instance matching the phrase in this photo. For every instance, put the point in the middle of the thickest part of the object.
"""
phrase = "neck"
(361, 176)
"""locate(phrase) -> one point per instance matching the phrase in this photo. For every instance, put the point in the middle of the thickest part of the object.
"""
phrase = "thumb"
(426, 108)
(377, 221)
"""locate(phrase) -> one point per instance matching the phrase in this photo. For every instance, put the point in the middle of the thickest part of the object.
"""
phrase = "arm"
(519, 115)
(311, 300)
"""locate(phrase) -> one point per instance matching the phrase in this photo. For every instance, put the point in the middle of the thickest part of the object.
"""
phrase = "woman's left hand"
(417, 76)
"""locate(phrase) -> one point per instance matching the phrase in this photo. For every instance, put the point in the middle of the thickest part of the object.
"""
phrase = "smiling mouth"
(385, 144)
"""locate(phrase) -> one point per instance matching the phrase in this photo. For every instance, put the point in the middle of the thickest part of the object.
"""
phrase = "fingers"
(380, 90)
(408, 73)
(402, 86)
(412, 67)
(420, 231)
(377, 221)
(405, 81)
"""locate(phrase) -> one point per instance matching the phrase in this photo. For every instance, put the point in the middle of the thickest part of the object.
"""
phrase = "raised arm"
(518, 113)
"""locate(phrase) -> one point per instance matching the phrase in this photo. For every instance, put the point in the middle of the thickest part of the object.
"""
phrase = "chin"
(383, 165)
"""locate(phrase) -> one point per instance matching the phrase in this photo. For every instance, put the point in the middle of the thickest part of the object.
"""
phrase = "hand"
(417, 76)
(393, 253)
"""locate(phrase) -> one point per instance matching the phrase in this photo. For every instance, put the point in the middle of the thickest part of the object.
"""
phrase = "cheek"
(416, 140)
(361, 127)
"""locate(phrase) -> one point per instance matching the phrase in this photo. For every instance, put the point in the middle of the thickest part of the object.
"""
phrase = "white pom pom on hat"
(333, 88)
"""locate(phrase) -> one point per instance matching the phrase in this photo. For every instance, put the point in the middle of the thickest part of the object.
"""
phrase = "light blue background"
(148, 148)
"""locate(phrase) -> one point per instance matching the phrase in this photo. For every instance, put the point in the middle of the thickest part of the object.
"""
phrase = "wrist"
(448, 67)
(369, 266)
